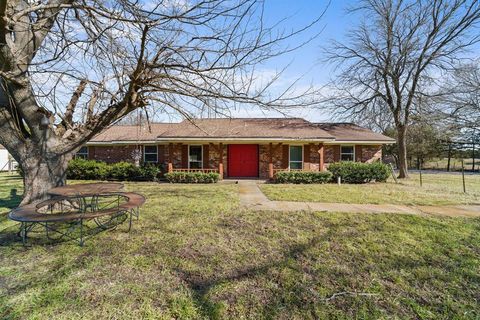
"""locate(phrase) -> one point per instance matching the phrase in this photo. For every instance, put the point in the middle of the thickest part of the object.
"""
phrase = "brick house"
(239, 147)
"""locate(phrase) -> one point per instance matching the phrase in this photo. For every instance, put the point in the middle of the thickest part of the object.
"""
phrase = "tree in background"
(70, 68)
(459, 105)
(425, 140)
(389, 63)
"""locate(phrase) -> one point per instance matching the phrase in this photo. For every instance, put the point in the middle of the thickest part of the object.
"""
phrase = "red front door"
(243, 160)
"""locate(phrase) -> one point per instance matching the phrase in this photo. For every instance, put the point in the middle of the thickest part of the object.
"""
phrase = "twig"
(349, 293)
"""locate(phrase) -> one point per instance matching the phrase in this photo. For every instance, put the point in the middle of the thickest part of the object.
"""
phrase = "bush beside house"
(303, 177)
(349, 172)
(97, 170)
(192, 177)
(359, 172)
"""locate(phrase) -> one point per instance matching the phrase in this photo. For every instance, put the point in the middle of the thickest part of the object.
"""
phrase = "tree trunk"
(473, 154)
(449, 155)
(41, 174)
(402, 152)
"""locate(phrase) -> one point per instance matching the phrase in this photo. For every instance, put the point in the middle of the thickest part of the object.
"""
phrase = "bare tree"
(459, 105)
(70, 68)
(390, 61)
(460, 102)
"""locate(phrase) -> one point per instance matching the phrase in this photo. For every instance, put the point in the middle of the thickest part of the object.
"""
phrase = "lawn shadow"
(201, 285)
(12, 201)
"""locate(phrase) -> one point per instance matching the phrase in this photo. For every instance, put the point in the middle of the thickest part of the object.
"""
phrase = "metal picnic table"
(69, 205)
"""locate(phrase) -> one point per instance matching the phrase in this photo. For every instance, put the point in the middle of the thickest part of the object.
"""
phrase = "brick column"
(270, 161)
(170, 157)
(220, 164)
(321, 157)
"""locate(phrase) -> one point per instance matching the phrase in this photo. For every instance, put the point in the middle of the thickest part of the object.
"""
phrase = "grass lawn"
(437, 189)
(195, 254)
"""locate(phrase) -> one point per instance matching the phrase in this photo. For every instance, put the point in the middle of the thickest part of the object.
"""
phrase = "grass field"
(437, 189)
(455, 164)
(194, 254)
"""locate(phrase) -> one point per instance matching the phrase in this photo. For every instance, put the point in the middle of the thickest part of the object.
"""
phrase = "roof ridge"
(247, 118)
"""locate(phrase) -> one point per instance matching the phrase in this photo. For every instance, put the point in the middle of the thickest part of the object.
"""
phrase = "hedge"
(303, 177)
(97, 170)
(359, 172)
(192, 177)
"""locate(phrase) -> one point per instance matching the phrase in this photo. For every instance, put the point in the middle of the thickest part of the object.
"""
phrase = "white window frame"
(342, 153)
(79, 154)
(201, 150)
(156, 153)
(289, 161)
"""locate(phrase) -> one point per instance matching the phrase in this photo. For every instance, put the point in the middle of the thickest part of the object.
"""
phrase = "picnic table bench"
(69, 205)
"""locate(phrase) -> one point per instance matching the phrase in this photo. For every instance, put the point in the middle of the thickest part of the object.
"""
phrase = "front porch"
(267, 159)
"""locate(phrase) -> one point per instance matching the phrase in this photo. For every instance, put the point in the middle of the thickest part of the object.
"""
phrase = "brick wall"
(371, 153)
(176, 154)
(111, 154)
(329, 154)
(264, 154)
(315, 157)
(214, 157)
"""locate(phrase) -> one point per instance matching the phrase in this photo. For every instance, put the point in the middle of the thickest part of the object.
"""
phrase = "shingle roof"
(352, 132)
(255, 128)
(131, 132)
(242, 128)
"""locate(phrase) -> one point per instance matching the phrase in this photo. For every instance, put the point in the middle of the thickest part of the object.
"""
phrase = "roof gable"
(344, 131)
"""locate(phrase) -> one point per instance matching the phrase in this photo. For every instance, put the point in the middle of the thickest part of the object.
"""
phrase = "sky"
(307, 61)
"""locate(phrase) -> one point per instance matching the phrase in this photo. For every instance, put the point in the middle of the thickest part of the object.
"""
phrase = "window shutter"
(358, 153)
(91, 153)
(306, 156)
(285, 154)
(205, 156)
(161, 153)
(336, 153)
(184, 156)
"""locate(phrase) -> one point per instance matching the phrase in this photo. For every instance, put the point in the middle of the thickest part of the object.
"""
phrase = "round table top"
(86, 189)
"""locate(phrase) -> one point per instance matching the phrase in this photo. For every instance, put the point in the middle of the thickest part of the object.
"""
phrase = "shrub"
(358, 172)
(87, 169)
(192, 177)
(96, 170)
(121, 170)
(148, 172)
(303, 177)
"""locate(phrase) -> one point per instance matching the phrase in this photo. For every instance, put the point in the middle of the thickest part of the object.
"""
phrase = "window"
(82, 153)
(296, 157)
(195, 157)
(347, 153)
(150, 154)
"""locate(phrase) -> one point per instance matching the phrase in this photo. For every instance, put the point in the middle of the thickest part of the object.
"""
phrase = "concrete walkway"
(252, 197)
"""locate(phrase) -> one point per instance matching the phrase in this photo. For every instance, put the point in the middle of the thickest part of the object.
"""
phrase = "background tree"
(425, 140)
(389, 63)
(70, 68)
(459, 105)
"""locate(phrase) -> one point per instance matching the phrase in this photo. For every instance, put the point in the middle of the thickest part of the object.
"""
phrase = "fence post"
(463, 178)
(421, 180)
